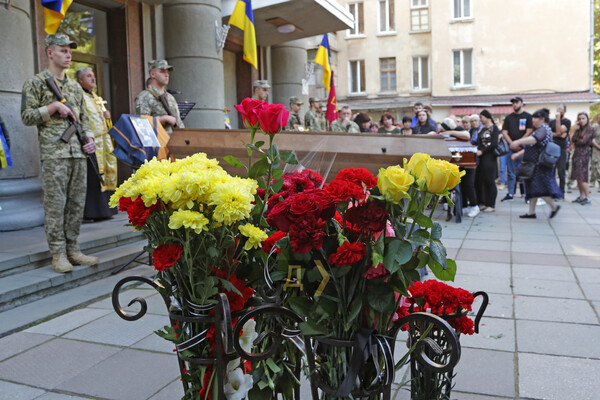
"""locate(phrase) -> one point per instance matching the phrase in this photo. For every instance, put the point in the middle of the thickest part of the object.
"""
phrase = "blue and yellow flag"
(243, 18)
(5, 160)
(54, 12)
(322, 58)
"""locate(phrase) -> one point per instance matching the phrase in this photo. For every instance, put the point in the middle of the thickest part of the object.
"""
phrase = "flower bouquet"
(347, 252)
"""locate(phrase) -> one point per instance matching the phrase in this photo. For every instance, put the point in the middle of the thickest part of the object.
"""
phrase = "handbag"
(550, 155)
(526, 170)
(502, 149)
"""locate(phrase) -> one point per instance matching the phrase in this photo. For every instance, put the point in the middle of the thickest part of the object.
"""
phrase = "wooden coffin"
(463, 153)
(326, 153)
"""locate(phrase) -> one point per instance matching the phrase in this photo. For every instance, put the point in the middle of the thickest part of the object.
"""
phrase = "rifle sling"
(162, 100)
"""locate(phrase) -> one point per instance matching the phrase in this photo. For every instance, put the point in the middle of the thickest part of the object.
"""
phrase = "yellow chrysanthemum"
(255, 236)
(232, 203)
(188, 219)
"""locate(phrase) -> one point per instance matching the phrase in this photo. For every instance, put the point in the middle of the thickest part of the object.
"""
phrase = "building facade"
(464, 55)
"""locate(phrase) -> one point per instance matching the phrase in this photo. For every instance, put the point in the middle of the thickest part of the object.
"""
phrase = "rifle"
(74, 126)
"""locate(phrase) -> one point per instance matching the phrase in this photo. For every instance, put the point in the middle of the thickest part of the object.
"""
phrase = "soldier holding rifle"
(59, 113)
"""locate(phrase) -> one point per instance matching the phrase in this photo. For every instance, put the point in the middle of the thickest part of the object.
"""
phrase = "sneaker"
(554, 212)
(585, 202)
(528, 216)
(474, 211)
(540, 202)
(466, 210)
(508, 197)
(577, 200)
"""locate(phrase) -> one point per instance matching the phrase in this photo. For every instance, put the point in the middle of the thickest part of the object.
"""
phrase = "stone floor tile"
(483, 235)
(476, 374)
(174, 390)
(154, 301)
(488, 284)
(560, 378)
(19, 342)
(494, 334)
(585, 262)
(452, 243)
(581, 250)
(591, 290)
(111, 329)
(133, 375)
(67, 322)
(487, 255)
(470, 396)
(153, 342)
(549, 272)
(59, 396)
(13, 391)
(557, 310)
(499, 305)
(519, 237)
(546, 288)
(487, 244)
(535, 247)
(556, 338)
(539, 259)
(588, 274)
(67, 359)
(499, 270)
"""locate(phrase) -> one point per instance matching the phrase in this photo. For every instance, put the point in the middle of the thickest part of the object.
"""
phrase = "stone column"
(20, 187)
(288, 61)
(190, 47)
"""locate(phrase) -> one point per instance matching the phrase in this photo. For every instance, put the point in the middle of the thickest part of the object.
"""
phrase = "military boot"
(78, 258)
(61, 264)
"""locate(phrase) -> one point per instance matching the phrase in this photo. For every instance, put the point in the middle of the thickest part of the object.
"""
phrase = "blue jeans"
(511, 172)
(503, 170)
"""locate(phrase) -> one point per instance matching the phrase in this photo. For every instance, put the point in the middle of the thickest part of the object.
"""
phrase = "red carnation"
(271, 240)
(165, 255)
(358, 176)
(138, 213)
(307, 234)
(344, 190)
(348, 254)
(376, 272)
(369, 216)
(249, 109)
(280, 216)
(125, 203)
(463, 324)
(272, 118)
(236, 302)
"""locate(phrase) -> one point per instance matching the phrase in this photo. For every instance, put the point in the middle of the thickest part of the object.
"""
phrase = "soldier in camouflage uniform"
(148, 101)
(260, 90)
(595, 163)
(294, 122)
(63, 164)
(314, 119)
(345, 123)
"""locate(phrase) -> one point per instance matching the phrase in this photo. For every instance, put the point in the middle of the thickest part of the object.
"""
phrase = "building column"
(190, 47)
(20, 187)
(288, 61)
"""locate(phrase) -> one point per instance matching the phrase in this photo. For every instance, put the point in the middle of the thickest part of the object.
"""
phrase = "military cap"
(162, 64)
(261, 84)
(59, 39)
(296, 100)
(314, 100)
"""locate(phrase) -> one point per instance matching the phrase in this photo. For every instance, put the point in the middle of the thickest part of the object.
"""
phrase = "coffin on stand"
(326, 153)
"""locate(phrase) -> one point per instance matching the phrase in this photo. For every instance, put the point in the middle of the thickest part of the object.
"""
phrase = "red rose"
(272, 118)
(327, 204)
(368, 216)
(376, 272)
(358, 176)
(138, 213)
(306, 234)
(299, 181)
(302, 204)
(125, 203)
(271, 240)
(348, 254)
(344, 190)
(249, 109)
(165, 255)
(279, 216)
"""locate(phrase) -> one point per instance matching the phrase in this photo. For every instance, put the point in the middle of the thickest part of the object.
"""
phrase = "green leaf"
(444, 274)
(252, 147)
(234, 162)
(259, 143)
(276, 186)
(261, 385)
(213, 252)
(310, 328)
(355, 308)
(436, 231)
(381, 298)
(399, 283)
(301, 305)
(423, 220)
(258, 169)
(289, 157)
(327, 307)
(420, 237)
(397, 253)
(277, 173)
(437, 251)
(272, 366)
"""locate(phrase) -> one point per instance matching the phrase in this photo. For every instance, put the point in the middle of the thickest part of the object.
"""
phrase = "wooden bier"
(315, 150)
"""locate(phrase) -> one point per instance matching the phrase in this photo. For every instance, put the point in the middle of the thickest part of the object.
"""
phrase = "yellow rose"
(455, 175)
(417, 163)
(435, 175)
(394, 182)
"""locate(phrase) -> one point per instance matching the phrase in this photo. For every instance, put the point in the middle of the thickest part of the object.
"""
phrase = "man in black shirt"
(516, 125)
(560, 138)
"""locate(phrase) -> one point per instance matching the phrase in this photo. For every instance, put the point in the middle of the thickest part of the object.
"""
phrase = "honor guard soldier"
(294, 122)
(260, 90)
(54, 103)
(156, 101)
(314, 119)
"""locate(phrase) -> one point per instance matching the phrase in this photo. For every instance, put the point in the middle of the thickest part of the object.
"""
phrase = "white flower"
(238, 385)
(233, 364)
(248, 336)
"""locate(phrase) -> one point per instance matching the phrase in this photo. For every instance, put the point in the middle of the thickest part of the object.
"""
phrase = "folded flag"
(128, 146)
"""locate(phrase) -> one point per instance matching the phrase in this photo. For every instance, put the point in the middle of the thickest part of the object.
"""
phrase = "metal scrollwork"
(142, 302)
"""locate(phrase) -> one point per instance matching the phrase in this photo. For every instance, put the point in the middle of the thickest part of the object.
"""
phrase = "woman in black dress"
(424, 126)
(582, 140)
(485, 174)
(542, 184)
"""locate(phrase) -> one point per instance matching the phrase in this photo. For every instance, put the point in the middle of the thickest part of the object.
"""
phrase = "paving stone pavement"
(538, 339)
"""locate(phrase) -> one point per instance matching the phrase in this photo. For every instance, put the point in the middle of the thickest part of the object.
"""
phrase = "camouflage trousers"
(594, 170)
(64, 186)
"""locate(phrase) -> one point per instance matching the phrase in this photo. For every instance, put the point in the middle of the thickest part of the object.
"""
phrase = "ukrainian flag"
(54, 12)
(322, 58)
(243, 18)
(5, 160)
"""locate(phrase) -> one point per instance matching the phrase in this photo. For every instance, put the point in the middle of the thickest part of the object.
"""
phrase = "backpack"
(550, 155)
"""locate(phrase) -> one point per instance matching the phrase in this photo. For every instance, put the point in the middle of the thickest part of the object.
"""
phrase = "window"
(462, 9)
(356, 9)
(419, 15)
(463, 67)
(386, 15)
(357, 76)
(420, 73)
(387, 69)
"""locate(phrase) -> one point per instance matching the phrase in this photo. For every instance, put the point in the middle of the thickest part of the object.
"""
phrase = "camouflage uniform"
(595, 164)
(64, 170)
(315, 122)
(336, 126)
(293, 120)
(147, 103)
